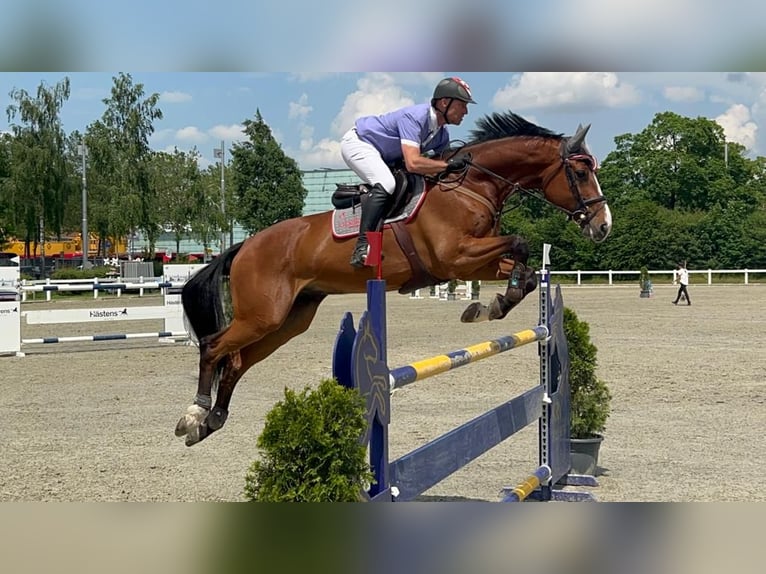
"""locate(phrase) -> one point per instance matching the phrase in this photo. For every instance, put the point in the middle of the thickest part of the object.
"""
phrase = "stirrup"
(359, 256)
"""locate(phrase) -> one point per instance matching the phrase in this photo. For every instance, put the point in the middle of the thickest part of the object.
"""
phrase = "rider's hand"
(457, 163)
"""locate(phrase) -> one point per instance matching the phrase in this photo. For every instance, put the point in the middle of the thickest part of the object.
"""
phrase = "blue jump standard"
(360, 361)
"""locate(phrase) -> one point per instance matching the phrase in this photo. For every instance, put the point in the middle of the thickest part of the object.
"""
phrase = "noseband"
(581, 215)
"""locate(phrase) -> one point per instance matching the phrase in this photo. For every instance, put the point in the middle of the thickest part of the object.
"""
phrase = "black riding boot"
(373, 211)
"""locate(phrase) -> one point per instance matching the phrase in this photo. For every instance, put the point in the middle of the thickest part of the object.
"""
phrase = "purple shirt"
(413, 125)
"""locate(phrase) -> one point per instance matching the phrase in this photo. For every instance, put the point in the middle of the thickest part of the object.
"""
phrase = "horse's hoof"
(193, 436)
(194, 417)
(197, 434)
(499, 308)
(475, 313)
(181, 428)
(217, 418)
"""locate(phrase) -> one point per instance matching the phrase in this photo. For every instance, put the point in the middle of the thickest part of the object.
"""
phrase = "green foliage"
(118, 165)
(589, 396)
(176, 182)
(452, 286)
(39, 173)
(267, 183)
(72, 273)
(674, 192)
(310, 448)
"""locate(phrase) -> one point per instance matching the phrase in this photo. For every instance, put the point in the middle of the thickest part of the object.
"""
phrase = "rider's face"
(457, 111)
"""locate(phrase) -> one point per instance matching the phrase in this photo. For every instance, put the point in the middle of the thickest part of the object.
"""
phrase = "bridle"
(581, 215)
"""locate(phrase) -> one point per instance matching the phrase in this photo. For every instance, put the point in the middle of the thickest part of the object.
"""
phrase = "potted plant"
(645, 283)
(451, 288)
(475, 288)
(589, 396)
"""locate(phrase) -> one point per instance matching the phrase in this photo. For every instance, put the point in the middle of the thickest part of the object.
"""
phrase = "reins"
(580, 215)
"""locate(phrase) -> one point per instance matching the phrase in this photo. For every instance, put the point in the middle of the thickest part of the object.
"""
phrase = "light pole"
(85, 240)
(220, 153)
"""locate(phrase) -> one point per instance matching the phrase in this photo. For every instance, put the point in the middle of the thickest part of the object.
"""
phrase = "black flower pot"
(584, 454)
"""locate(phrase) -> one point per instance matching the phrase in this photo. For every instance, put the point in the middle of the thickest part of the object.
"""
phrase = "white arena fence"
(710, 276)
(11, 315)
(112, 286)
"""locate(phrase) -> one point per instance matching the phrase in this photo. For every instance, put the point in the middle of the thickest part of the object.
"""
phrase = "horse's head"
(508, 152)
(571, 184)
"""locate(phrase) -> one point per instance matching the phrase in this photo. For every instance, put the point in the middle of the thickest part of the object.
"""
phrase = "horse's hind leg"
(298, 320)
(222, 346)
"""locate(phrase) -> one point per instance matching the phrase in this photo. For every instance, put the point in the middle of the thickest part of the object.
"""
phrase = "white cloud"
(175, 97)
(191, 134)
(325, 153)
(162, 135)
(683, 94)
(300, 109)
(229, 133)
(738, 126)
(376, 93)
(565, 91)
(306, 137)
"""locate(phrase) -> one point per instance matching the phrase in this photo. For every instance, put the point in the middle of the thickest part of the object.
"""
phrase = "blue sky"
(308, 112)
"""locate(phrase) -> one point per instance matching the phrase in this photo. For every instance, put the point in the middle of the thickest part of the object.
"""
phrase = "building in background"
(320, 184)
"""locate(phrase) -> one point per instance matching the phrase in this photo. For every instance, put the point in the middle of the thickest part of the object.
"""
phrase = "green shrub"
(589, 396)
(310, 448)
(73, 273)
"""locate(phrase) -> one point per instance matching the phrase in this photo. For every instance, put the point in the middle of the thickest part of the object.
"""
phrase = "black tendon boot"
(373, 211)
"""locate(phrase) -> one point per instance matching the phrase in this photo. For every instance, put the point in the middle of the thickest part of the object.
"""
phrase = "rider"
(406, 134)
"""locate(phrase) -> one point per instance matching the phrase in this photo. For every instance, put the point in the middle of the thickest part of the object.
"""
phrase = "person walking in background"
(682, 275)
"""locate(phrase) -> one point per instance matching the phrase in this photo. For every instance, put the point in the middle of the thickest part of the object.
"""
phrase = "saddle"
(408, 185)
(407, 198)
(401, 206)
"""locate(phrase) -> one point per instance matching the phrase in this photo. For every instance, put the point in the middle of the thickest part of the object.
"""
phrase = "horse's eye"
(581, 174)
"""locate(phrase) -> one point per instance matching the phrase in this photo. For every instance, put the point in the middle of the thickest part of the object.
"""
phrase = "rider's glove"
(457, 163)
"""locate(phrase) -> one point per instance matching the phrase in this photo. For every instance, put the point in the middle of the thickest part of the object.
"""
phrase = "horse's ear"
(574, 143)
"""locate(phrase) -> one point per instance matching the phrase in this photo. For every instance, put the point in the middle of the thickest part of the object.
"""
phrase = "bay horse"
(278, 277)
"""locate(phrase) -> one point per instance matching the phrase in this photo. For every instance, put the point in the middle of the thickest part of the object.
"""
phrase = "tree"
(207, 221)
(680, 163)
(118, 144)
(38, 170)
(174, 180)
(7, 220)
(267, 183)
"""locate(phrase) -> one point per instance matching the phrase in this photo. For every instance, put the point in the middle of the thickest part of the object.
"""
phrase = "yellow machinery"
(68, 246)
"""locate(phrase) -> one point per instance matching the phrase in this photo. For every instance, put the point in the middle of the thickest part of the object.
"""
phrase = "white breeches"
(366, 162)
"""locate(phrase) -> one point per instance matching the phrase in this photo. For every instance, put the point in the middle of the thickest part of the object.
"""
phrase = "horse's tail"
(203, 295)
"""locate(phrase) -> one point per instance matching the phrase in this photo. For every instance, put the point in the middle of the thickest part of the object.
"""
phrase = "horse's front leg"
(478, 252)
(511, 254)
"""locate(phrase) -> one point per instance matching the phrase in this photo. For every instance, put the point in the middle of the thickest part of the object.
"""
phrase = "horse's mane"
(507, 124)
